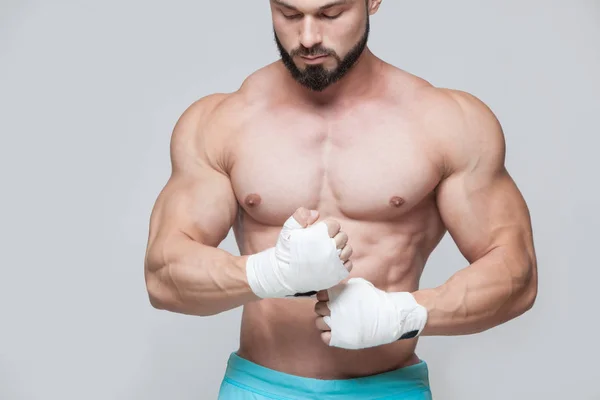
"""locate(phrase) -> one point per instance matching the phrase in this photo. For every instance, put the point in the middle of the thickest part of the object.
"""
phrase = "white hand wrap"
(364, 316)
(303, 260)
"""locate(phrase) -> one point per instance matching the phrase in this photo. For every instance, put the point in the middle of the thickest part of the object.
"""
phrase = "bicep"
(479, 201)
(201, 206)
(483, 211)
(197, 202)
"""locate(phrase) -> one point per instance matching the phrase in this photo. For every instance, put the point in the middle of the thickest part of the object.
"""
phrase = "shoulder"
(206, 127)
(217, 105)
(192, 117)
(191, 125)
(458, 127)
(200, 132)
(465, 127)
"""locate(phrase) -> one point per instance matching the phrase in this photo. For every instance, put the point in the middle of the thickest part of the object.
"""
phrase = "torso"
(372, 165)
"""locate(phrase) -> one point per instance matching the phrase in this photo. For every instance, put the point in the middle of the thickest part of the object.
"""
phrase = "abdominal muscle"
(281, 333)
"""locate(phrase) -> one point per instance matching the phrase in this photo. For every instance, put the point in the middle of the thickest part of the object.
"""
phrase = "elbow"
(156, 303)
(159, 291)
(532, 286)
(160, 286)
(156, 300)
(518, 305)
(161, 296)
(158, 294)
(530, 297)
(526, 301)
(528, 293)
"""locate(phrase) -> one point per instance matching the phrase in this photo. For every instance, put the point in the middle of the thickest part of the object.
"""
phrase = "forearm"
(495, 289)
(188, 277)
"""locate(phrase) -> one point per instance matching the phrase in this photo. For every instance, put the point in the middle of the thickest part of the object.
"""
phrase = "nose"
(310, 34)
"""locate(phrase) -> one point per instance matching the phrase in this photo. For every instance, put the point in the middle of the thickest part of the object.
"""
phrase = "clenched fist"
(306, 258)
(357, 315)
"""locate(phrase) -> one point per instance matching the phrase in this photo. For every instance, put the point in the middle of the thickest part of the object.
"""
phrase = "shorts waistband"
(265, 381)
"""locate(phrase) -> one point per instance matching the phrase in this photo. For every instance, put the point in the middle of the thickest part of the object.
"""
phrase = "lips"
(314, 57)
(308, 59)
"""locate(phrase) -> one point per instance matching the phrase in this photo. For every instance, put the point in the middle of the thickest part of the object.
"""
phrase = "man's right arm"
(185, 271)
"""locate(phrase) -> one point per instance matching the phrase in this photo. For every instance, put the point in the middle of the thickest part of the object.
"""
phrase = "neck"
(357, 81)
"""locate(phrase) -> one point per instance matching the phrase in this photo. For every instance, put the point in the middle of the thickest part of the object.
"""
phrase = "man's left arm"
(489, 221)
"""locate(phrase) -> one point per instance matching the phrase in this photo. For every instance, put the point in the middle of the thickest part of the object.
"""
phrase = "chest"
(361, 166)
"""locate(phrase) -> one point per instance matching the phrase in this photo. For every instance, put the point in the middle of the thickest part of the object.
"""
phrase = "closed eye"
(292, 16)
(332, 16)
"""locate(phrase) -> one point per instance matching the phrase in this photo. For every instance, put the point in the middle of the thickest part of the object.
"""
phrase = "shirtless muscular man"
(339, 174)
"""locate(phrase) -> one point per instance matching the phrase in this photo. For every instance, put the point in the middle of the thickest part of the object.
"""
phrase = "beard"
(317, 77)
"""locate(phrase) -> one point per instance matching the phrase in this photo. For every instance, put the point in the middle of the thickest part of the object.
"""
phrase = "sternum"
(325, 192)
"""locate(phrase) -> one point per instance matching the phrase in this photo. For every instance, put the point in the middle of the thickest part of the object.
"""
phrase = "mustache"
(312, 52)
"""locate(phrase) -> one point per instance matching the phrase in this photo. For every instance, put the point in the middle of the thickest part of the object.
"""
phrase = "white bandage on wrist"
(364, 316)
(303, 260)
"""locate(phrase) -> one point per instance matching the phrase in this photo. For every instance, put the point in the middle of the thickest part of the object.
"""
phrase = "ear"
(373, 6)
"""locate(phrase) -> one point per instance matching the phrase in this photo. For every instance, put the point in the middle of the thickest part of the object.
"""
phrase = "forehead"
(310, 4)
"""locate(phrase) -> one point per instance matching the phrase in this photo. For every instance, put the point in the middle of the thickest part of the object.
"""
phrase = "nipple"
(252, 200)
(397, 201)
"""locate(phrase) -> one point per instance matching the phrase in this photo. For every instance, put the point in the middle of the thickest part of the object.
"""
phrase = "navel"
(397, 201)
(252, 200)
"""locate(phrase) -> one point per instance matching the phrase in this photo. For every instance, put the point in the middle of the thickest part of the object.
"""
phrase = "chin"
(328, 69)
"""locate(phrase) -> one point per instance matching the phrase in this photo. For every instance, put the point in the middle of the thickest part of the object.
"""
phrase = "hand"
(305, 259)
(357, 315)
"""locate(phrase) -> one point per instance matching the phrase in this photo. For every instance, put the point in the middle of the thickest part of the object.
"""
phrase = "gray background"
(89, 94)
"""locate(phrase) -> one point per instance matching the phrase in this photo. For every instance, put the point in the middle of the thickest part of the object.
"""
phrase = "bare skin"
(389, 161)
(383, 200)
(374, 163)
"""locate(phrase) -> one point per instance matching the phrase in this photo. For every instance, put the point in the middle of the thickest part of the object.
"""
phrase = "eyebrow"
(326, 6)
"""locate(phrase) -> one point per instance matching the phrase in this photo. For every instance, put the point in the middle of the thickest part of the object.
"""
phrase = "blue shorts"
(247, 380)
